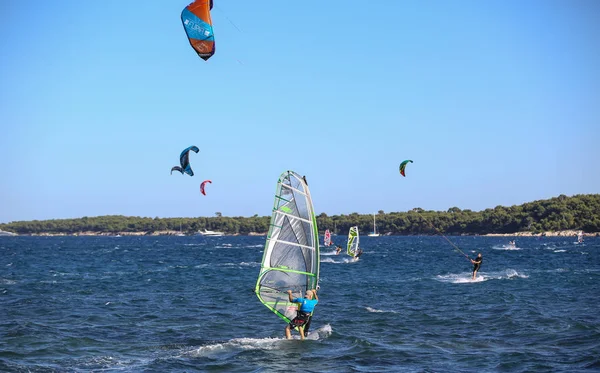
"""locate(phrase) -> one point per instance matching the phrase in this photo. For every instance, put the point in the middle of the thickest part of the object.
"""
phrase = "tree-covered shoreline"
(579, 212)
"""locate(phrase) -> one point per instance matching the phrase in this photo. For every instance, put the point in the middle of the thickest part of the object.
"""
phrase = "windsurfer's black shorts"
(300, 320)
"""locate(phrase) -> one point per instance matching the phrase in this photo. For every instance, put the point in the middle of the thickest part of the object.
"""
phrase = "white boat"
(211, 233)
(374, 233)
(180, 234)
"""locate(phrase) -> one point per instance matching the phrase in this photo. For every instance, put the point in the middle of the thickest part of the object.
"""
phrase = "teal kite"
(184, 160)
(403, 166)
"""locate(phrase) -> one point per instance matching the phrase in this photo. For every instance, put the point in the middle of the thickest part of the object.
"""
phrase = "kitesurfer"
(476, 264)
(302, 319)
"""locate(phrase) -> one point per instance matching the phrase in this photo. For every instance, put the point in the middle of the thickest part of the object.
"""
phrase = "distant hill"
(579, 212)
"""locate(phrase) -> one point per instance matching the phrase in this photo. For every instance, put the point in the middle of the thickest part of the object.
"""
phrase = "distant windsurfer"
(476, 264)
(338, 250)
(303, 316)
(358, 253)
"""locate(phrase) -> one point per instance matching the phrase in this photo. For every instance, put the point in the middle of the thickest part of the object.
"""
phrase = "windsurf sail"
(291, 256)
(327, 239)
(353, 240)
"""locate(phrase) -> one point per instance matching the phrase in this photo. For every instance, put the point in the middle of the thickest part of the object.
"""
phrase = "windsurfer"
(359, 252)
(476, 264)
(302, 319)
(338, 250)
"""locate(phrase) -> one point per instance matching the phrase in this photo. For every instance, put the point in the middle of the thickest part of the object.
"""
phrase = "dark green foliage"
(580, 212)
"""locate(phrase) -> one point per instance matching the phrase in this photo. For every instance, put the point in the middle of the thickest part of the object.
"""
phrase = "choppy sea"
(186, 304)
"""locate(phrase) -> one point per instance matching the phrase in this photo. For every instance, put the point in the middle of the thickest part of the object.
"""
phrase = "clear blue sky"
(496, 102)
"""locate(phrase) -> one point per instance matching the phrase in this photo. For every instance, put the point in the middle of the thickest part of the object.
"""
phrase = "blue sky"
(496, 102)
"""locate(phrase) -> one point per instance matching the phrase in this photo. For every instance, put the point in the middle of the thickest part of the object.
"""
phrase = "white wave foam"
(466, 278)
(511, 273)
(238, 344)
(343, 261)
(379, 311)
(506, 248)
(320, 333)
(460, 278)
(559, 270)
(244, 344)
(560, 251)
(243, 264)
(108, 362)
(250, 264)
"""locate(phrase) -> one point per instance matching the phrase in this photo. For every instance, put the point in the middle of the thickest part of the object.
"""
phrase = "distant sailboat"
(374, 233)
(180, 234)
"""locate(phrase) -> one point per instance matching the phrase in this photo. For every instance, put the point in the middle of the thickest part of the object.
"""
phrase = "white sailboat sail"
(291, 256)
(353, 241)
(374, 233)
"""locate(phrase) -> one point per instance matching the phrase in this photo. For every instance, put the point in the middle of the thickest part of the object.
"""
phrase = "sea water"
(186, 304)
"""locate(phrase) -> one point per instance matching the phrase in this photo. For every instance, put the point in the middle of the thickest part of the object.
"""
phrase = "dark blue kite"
(184, 160)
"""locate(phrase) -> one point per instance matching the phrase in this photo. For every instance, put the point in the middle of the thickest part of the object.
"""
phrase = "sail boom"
(292, 216)
(296, 244)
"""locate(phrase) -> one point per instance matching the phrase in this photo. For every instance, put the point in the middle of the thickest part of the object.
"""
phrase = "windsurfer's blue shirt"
(306, 305)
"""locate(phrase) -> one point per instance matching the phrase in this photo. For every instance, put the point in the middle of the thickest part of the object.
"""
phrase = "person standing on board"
(302, 319)
(338, 250)
(357, 254)
(476, 264)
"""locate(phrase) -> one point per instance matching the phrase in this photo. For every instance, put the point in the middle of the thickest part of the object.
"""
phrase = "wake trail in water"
(342, 261)
(245, 344)
(466, 278)
(374, 310)
(506, 248)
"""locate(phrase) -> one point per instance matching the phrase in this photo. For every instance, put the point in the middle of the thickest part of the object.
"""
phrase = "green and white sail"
(291, 257)
(353, 240)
